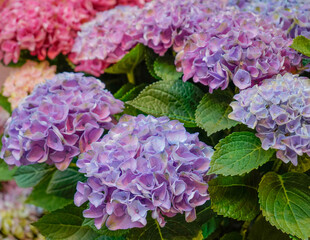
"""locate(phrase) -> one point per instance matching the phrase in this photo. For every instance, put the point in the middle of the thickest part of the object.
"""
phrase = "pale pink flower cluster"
(22, 81)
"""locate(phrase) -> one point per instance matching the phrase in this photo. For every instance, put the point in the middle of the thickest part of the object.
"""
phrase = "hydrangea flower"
(46, 28)
(104, 40)
(279, 109)
(239, 46)
(16, 217)
(22, 81)
(143, 164)
(163, 24)
(159, 25)
(60, 119)
(292, 16)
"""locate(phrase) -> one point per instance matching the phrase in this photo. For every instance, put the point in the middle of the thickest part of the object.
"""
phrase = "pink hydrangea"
(22, 81)
(237, 46)
(46, 28)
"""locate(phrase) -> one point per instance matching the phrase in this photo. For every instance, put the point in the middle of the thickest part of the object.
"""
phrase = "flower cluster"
(60, 119)
(163, 24)
(46, 28)
(22, 81)
(104, 40)
(159, 25)
(16, 217)
(143, 164)
(236, 45)
(280, 111)
(291, 15)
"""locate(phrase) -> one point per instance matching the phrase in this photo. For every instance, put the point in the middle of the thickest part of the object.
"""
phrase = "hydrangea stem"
(131, 77)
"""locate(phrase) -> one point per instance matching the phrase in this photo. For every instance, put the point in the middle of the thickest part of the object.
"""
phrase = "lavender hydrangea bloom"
(292, 16)
(143, 164)
(280, 111)
(60, 119)
(105, 40)
(234, 42)
(163, 24)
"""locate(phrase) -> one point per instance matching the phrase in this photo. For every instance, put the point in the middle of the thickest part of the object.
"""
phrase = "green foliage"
(63, 183)
(133, 93)
(123, 90)
(175, 99)
(305, 61)
(65, 224)
(6, 173)
(212, 112)
(31, 175)
(302, 166)
(5, 104)
(49, 202)
(128, 62)
(302, 44)
(232, 236)
(164, 68)
(150, 58)
(262, 230)
(284, 201)
(238, 153)
(235, 196)
(210, 226)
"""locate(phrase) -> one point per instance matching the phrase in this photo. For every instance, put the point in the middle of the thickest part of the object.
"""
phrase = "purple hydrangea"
(293, 16)
(159, 25)
(280, 111)
(163, 24)
(105, 40)
(237, 46)
(143, 164)
(60, 119)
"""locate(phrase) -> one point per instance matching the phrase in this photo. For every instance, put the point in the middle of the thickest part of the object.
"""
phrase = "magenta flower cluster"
(159, 25)
(104, 40)
(237, 46)
(280, 111)
(143, 164)
(46, 28)
(58, 121)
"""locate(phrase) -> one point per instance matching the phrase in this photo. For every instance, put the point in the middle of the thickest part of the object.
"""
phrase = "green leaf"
(31, 175)
(209, 227)
(65, 224)
(232, 236)
(302, 44)
(238, 153)
(104, 231)
(128, 62)
(212, 112)
(5, 104)
(123, 90)
(6, 173)
(235, 196)
(49, 202)
(284, 201)
(175, 99)
(302, 166)
(63, 183)
(176, 228)
(305, 61)
(262, 230)
(164, 68)
(150, 58)
(133, 93)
